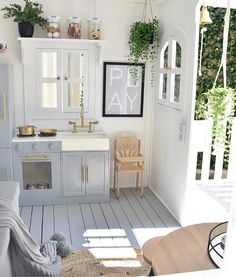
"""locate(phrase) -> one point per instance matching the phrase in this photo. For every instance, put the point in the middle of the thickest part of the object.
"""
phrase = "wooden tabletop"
(183, 250)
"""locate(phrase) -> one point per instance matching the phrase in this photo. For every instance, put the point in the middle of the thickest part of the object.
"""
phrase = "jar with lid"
(54, 25)
(94, 28)
(74, 27)
(3, 46)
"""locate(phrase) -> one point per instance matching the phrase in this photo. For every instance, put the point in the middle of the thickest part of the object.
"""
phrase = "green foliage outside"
(212, 52)
(212, 102)
(30, 13)
(221, 108)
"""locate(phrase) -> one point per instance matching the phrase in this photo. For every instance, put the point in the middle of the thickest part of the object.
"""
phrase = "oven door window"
(37, 173)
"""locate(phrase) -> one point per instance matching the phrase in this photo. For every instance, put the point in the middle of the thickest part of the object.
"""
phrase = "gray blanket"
(27, 258)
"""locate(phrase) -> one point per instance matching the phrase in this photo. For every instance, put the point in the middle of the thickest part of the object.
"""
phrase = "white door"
(170, 141)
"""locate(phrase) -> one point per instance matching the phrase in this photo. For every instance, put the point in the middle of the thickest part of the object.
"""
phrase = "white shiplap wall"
(116, 15)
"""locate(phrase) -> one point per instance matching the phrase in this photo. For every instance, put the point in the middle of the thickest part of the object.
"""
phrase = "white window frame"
(171, 71)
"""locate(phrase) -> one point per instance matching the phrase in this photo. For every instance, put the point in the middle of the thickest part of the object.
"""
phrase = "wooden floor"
(127, 222)
(222, 193)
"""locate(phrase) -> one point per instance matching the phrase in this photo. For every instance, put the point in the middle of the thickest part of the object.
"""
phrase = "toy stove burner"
(46, 135)
(26, 136)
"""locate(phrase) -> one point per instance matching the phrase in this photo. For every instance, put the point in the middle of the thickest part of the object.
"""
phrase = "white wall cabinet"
(56, 74)
(85, 173)
(61, 81)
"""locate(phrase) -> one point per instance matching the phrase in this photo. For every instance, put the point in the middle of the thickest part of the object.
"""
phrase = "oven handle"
(37, 158)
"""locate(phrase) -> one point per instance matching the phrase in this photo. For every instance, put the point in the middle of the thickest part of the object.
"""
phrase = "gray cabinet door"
(5, 165)
(73, 173)
(96, 175)
(6, 105)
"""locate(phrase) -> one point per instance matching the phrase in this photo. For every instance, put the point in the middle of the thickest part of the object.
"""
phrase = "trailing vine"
(143, 42)
(212, 52)
(221, 104)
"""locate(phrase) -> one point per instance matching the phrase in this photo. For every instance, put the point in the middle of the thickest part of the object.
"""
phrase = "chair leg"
(137, 180)
(117, 185)
(114, 179)
(141, 185)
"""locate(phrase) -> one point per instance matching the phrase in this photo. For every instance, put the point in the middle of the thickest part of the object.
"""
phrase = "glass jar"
(74, 27)
(3, 46)
(54, 25)
(94, 28)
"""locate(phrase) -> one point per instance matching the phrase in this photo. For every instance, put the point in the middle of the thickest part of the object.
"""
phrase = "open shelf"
(65, 42)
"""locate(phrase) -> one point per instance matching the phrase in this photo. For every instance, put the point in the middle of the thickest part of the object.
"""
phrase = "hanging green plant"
(211, 59)
(144, 40)
(221, 106)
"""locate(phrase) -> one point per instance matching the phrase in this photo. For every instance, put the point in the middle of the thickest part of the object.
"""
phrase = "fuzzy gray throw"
(27, 257)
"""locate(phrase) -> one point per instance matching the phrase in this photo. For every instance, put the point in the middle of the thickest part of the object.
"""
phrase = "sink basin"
(81, 134)
(83, 141)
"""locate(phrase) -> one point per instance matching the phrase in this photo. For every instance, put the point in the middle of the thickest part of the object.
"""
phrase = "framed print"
(123, 89)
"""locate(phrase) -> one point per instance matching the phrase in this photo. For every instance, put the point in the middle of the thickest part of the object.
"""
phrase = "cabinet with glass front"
(61, 79)
(57, 74)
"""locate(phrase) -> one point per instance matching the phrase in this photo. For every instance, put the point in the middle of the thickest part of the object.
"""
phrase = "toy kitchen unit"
(65, 168)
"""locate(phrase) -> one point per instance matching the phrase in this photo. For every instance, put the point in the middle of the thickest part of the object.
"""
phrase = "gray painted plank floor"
(127, 222)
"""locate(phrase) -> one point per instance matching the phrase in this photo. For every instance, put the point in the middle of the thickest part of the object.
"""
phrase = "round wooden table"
(183, 250)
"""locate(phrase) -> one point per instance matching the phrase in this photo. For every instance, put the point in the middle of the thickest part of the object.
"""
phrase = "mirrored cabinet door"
(75, 80)
(49, 80)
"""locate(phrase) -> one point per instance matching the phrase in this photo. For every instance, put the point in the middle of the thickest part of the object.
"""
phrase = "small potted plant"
(27, 16)
(143, 42)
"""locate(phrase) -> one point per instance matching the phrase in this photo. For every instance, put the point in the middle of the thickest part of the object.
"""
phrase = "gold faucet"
(82, 125)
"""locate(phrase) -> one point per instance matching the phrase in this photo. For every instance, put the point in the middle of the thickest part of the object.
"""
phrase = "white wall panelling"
(116, 15)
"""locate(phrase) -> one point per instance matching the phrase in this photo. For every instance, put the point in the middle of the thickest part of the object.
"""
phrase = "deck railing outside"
(212, 168)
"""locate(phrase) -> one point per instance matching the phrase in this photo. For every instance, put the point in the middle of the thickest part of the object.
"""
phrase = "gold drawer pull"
(4, 107)
(83, 169)
(86, 174)
(8, 171)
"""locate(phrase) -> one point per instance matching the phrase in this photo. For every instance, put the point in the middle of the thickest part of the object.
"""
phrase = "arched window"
(170, 71)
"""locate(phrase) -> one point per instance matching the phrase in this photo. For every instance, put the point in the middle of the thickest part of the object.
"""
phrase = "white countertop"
(97, 141)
